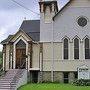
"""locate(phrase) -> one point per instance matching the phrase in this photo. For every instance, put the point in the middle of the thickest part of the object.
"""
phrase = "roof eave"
(4, 43)
(61, 9)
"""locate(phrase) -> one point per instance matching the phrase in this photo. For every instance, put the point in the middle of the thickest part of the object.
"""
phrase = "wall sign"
(83, 72)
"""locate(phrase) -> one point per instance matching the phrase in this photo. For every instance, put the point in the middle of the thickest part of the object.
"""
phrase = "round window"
(82, 21)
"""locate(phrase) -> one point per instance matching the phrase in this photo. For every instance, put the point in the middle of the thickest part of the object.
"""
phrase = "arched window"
(21, 44)
(87, 52)
(76, 48)
(65, 48)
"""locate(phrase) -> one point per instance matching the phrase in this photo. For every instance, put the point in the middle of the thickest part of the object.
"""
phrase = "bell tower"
(48, 8)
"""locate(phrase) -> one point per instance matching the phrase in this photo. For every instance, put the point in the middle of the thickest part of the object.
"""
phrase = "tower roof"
(47, 0)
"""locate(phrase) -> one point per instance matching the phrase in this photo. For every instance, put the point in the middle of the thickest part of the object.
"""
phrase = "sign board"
(83, 72)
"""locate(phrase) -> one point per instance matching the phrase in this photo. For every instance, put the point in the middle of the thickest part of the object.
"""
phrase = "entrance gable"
(19, 34)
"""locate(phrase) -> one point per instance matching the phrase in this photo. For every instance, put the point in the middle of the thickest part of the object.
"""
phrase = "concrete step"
(7, 88)
(6, 79)
(7, 84)
(10, 79)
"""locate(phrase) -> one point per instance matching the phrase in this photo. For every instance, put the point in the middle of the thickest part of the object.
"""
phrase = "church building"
(54, 47)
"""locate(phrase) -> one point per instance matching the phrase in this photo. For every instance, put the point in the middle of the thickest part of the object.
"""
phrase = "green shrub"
(82, 82)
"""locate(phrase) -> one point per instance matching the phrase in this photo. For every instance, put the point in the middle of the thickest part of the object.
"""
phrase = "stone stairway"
(10, 79)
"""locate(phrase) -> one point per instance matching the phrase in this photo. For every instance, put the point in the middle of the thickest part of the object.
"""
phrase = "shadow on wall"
(0, 66)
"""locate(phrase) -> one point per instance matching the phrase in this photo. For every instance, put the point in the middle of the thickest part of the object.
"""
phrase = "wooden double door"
(21, 58)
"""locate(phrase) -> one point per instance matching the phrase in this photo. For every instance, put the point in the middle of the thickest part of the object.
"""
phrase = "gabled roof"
(62, 8)
(34, 35)
(7, 39)
(30, 27)
(20, 33)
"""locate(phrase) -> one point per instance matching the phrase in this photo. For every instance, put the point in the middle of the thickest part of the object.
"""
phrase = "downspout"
(52, 53)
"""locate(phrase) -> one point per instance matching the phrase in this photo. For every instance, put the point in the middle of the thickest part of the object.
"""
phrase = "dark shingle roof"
(32, 28)
(7, 39)
(35, 36)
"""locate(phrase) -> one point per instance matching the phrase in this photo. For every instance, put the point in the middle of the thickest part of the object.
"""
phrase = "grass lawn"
(53, 87)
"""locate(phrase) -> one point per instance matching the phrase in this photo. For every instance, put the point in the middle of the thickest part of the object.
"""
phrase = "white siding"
(58, 55)
(47, 62)
(45, 30)
(69, 65)
(59, 63)
(80, 3)
(35, 56)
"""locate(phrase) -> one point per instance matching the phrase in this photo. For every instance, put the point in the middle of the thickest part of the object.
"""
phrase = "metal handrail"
(23, 64)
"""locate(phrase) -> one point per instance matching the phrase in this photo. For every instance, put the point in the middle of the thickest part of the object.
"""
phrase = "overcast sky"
(12, 15)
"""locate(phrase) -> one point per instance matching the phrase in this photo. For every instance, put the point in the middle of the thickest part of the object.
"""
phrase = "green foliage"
(0, 54)
(82, 82)
(0, 57)
(52, 86)
(0, 60)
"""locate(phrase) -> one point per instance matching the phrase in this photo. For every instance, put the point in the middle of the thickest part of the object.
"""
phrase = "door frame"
(14, 50)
